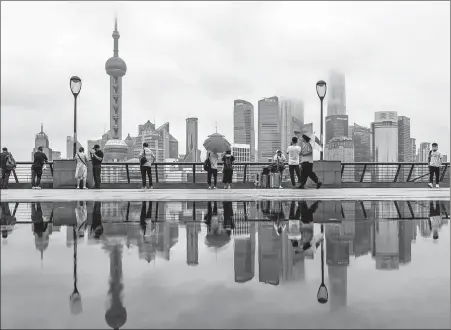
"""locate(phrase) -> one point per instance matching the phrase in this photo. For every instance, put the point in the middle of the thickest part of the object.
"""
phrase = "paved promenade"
(61, 195)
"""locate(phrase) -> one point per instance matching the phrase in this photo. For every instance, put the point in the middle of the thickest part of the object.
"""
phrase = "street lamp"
(323, 294)
(75, 87)
(321, 88)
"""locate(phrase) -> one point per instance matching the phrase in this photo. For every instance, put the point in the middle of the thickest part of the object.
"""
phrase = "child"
(435, 162)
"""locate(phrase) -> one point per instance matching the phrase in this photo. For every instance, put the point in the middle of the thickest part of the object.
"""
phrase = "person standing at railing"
(293, 152)
(307, 164)
(146, 158)
(81, 171)
(435, 218)
(97, 159)
(7, 165)
(39, 161)
(280, 160)
(435, 163)
(212, 158)
(227, 171)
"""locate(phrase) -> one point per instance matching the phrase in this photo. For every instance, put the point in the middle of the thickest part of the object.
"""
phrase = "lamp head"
(323, 294)
(75, 85)
(321, 88)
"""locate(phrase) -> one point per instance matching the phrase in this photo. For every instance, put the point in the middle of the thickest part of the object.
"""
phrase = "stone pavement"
(61, 195)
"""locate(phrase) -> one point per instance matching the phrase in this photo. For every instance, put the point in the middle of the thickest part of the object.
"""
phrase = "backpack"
(228, 163)
(10, 163)
(207, 164)
(143, 159)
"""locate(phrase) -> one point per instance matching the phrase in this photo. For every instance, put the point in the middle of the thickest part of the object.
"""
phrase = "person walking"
(227, 171)
(280, 160)
(435, 162)
(146, 158)
(97, 159)
(81, 171)
(293, 152)
(213, 158)
(7, 164)
(307, 164)
(39, 161)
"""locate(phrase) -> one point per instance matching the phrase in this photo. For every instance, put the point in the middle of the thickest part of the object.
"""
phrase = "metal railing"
(127, 173)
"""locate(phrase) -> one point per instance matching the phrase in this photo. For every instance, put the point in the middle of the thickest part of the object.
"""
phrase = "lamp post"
(323, 294)
(321, 88)
(75, 297)
(75, 87)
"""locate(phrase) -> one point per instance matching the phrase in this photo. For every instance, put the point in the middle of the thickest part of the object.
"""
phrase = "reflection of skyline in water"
(260, 253)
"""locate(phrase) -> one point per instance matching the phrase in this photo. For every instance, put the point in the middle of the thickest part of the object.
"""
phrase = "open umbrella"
(217, 241)
(216, 143)
(316, 143)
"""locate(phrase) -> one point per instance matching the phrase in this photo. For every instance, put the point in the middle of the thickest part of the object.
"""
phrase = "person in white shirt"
(81, 171)
(293, 152)
(280, 160)
(435, 162)
(307, 164)
(214, 157)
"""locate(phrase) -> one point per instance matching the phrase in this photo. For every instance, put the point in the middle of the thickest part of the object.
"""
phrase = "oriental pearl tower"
(115, 148)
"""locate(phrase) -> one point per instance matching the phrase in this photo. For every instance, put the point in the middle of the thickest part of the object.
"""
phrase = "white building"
(268, 128)
(386, 143)
(291, 120)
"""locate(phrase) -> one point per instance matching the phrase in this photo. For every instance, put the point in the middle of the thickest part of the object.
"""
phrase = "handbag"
(81, 160)
(143, 158)
(207, 164)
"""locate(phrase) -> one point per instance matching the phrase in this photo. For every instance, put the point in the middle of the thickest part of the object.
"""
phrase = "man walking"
(307, 164)
(97, 158)
(293, 152)
(39, 159)
(7, 164)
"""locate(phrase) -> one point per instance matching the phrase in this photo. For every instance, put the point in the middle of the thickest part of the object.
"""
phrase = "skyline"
(171, 88)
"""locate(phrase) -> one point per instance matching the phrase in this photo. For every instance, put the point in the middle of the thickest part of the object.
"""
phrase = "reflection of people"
(307, 212)
(294, 229)
(212, 215)
(435, 218)
(145, 216)
(308, 240)
(97, 226)
(229, 223)
(7, 221)
(40, 226)
(81, 214)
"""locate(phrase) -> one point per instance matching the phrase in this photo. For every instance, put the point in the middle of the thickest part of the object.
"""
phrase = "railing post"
(244, 176)
(443, 174)
(342, 169)
(194, 173)
(363, 173)
(51, 168)
(397, 173)
(128, 173)
(15, 176)
(156, 172)
(410, 173)
(397, 209)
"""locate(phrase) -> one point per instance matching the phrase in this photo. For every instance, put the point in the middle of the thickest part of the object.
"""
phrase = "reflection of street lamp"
(75, 87)
(321, 89)
(322, 295)
(75, 297)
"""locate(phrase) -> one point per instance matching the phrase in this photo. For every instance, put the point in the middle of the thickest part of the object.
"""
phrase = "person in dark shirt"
(97, 158)
(6, 169)
(39, 159)
(37, 218)
(97, 225)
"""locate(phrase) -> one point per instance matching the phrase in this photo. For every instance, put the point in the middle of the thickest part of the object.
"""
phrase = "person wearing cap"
(39, 161)
(97, 158)
(280, 160)
(307, 164)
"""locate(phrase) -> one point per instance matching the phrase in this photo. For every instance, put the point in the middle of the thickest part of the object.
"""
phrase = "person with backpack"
(97, 159)
(211, 166)
(146, 158)
(227, 171)
(81, 171)
(39, 161)
(7, 165)
(434, 162)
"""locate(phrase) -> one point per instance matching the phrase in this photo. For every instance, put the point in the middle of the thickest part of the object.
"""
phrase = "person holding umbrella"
(307, 164)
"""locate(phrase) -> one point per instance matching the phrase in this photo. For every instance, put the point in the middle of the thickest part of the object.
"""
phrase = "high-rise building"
(242, 152)
(340, 148)
(423, 152)
(413, 149)
(336, 94)
(192, 135)
(56, 155)
(386, 244)
(336, 126)
(385, 142)
(405, 241)
(268, 128)
(404, 143)
(70, 147)
(291, 120)
(350, 131)
(243, 125)
(268, 254)
(42, 140)
(362, 143)
(445, 159)
(192, 242)
(244, 254)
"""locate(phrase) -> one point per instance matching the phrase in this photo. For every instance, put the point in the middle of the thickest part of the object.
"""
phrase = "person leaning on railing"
(39, 161)
(7, 164)
(97, 158)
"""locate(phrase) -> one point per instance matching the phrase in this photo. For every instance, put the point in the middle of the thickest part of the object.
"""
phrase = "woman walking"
(81, 171)
(146, 157)
(227, 171)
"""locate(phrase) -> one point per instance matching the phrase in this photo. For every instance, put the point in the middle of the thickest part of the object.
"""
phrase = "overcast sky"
(193, 59)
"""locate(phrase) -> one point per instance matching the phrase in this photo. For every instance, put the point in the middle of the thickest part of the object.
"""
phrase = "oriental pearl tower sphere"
(115, 148)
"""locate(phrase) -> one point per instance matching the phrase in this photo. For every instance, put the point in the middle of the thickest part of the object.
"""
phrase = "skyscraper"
(268, 128)
(291, 120)
(116, 68)
(192, 151)
(336, 126)
(70, 147)
(243, 125)
(404, 143)
(362, 143)
(42, 140)
(423, 152)
(413, 149)
(336, 94)
(385, 142)
(340, 148)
